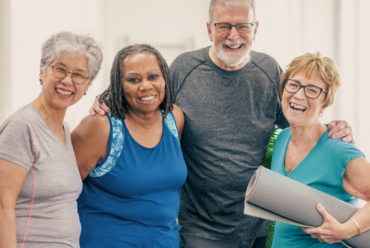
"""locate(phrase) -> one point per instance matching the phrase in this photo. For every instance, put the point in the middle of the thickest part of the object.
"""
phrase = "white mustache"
(234, 43)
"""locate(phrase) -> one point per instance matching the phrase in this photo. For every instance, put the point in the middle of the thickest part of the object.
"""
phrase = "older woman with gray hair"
(39, 178)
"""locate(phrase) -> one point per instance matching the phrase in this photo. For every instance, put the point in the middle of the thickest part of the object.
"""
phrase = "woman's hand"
(98, 108)
(331, 231)
(339, 129)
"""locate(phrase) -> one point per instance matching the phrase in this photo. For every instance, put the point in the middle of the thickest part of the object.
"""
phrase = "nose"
(300, 93)
(233, 34)
(67, 79)
(146, 85)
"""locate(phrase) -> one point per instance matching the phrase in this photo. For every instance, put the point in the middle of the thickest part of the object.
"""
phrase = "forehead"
(140, 61)
(73, 61)
(233, 14)
(306, 79)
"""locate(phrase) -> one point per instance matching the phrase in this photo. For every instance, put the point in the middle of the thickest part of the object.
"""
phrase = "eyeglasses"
(293, 86)
(242, 28)
(60, 72)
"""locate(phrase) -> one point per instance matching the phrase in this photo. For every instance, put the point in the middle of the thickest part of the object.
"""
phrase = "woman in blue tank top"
(131, 161)
(305, 153)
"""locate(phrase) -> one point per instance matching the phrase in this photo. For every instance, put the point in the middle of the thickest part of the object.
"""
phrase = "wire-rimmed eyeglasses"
(311, 91)
(60, 72)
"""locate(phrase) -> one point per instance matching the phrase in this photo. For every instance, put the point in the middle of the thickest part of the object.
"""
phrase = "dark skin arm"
(91, 142)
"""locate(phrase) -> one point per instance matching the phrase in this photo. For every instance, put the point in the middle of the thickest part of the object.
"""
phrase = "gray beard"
(229, 58)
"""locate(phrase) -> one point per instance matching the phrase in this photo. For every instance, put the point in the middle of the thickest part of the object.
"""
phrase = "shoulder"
(92, 127)
(190, 58)
(340, 149)
(264, 60)
(283, 135)
(179, 118)
(23, 119)
(178, 114)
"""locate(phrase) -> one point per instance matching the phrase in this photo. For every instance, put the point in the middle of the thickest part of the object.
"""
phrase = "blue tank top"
(131, 199)
(322, 169)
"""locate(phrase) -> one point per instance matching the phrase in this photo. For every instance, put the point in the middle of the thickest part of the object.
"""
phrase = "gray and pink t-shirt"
(54, 221)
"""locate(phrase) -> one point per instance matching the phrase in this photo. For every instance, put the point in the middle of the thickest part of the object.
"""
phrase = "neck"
(53, 117)
(145, 120)
(301, 135)
(213, 55)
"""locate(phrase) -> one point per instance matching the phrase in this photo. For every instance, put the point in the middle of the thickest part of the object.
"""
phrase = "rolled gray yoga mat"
(275, 197)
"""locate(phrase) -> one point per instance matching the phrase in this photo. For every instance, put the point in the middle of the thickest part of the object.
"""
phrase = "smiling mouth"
(234, 46)
(64, 92)
(297, 107)
(147, 98)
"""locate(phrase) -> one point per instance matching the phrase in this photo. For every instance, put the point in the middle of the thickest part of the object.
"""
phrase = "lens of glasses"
(61, 73)
(310, 91)
(78, 78)
(241, 28)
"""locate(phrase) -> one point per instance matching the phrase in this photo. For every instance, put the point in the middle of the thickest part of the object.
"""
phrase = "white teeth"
(235, 46)
(295, 106)
(63, 92)
(148, 98)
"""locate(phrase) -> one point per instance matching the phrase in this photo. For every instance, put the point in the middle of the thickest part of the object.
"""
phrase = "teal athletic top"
(322, 169)
(131, 199)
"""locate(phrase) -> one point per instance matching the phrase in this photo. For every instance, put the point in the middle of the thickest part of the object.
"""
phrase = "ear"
(209, 29)
(255, 30)
(41, 74)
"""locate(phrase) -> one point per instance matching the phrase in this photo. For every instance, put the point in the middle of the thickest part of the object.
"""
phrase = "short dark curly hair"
(114, 96)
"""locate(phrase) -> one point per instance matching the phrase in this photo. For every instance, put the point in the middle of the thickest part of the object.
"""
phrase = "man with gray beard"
(230, 98)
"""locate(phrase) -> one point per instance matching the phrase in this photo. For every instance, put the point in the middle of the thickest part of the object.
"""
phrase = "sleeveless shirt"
(131, 199)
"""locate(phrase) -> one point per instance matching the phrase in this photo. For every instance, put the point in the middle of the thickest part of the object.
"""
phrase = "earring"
(85, 94)
(321, 114)
(40, 81)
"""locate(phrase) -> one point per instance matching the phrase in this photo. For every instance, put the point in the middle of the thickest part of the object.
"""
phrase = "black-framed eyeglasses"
(242, 28)
(311, 91)
(60, 72)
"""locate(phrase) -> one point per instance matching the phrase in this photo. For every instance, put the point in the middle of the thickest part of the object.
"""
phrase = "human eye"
(293, 84)
(60, 69)
(313, 90)
(223, 26)
(132, 80)
(153, 76)
(78, 76)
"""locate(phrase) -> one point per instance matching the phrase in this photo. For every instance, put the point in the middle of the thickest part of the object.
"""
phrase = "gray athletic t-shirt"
(54, 221)
(229, 117)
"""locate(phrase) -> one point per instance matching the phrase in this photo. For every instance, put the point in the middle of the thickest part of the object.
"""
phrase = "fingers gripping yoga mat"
(275, 197)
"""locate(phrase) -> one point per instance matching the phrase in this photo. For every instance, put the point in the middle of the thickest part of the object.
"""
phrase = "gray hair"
(76, 44)
(231, 2)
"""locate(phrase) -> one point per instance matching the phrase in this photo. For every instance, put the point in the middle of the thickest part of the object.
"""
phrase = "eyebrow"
(77, 70)
(309, 84)
(155, 69)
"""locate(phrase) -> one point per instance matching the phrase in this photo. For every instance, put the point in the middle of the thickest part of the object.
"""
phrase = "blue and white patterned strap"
(171, 124)
(116, 146)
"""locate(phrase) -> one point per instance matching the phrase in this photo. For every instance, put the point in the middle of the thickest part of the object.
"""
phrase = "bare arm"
(180, 119)
(91, 142)
(356, 182)
(12, 177)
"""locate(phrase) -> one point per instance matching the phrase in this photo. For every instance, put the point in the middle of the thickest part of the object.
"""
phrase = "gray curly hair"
(76, 44)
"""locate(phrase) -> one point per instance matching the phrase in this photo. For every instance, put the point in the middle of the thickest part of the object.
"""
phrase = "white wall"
(288, 28)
